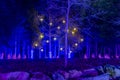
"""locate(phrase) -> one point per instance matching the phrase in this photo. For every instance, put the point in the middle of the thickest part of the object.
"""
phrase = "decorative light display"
(63, 21)
(50, 34)
(41, 36)
(59, 30)
(58, 27)
(41, 19)
(75, 29)
(70, 51)
(61, 49)
(54, 38)
(32, 51)
(36, 44)
(50, 23)
(59, 39)
(76, 44)
(82, 40)
(73, 33)
(41, 50)
(47, 41)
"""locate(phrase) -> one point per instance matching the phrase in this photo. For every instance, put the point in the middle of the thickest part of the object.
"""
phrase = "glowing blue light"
(32, 54)
(63, 21)
(82, 40)
(70, 51)
(58, 27)
(61, 49)
(41, 50)
(54, 38)
(69, 54)
(47, 41)
(50, 54)
(76, 44)
(50, 23)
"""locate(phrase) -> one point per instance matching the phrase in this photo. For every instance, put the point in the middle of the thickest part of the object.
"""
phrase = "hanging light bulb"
(47, 41)
(75, 29)
(76, 44)
(54, 38)
(58, 27)
(73, 33)
(41, 36)
(61, 49)
(70, 51)
(82, 40)
(36, 44)
(41, 50)
(50, 23)
(63, 21)
(41, 19)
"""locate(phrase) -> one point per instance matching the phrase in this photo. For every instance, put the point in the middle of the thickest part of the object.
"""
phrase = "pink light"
(107, 56)
(19, 56)
(85, 56)
(25, 57)
(14, 56)
(117, 57)
(100, 56)
(9, 57)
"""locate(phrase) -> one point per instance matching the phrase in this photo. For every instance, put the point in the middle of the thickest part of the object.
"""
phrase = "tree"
(82, 20)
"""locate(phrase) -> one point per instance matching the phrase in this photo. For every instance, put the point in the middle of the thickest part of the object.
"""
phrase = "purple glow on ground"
(93, 56)
(107, 56)
(9, 57)
(19, 56)
(14, 56)
(25, 57)
(85, 56)
(117, 57)
(100, 56)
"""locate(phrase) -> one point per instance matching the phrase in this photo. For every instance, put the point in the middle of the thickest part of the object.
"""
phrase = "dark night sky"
(12, 12)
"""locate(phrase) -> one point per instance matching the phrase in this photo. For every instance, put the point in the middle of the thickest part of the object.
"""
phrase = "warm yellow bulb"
(73, 32)
(41, 36)
(75, 29)
(41, 19)
(36, 44)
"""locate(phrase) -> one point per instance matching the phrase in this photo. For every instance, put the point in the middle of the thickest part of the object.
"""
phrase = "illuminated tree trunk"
(15, 49)
(88, 50)
(116, 51)
(55, 49)
(66, 34)
(50, 52)
(58, 49)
